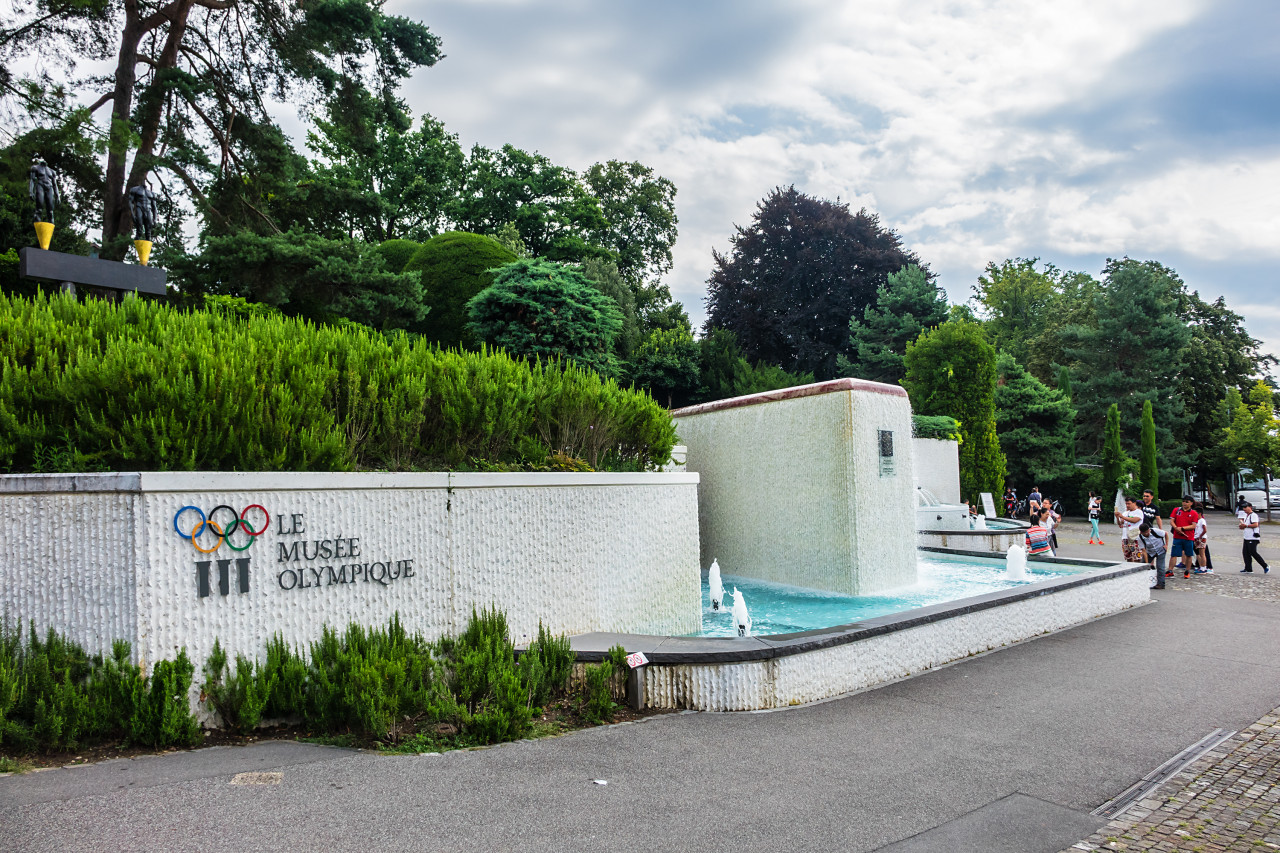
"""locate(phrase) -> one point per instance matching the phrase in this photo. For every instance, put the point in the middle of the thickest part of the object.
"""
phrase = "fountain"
(805, 491)
(741, 618)
(1015, 560)
(715, 587)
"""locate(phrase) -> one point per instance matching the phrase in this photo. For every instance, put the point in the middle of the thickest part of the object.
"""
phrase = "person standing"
(1249, 525)
(1130, 520)
(1151, 512)
(1033, 500)
(1051, 519)
(1154, 547)
(1184, 520)
(1095, 512)
(1204, 559)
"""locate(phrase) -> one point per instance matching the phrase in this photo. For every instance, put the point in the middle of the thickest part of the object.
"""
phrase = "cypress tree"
(951, 370)
(1112, 455)
(1149, 473)
(1064, 382)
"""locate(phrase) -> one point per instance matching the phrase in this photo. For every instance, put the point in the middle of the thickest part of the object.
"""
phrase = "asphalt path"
(1023, 740)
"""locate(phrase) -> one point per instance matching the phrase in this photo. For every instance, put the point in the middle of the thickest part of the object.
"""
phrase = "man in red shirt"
(1183, 521)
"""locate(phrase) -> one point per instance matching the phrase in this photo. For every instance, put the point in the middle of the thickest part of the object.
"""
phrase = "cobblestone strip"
(1228, 800)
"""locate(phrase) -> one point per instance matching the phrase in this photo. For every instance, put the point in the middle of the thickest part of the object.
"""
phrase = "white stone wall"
(811, 676)
(580, 552)
(937, 468)
(792, 490)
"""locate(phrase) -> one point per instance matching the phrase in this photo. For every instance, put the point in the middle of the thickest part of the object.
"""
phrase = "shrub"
(454, 267)
(54, 697)
(935, 426)
(396, 254)
(598, 689)
(143, 386)
(542, 309)
(240, 697)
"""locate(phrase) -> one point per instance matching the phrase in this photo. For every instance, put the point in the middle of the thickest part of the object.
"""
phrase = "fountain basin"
(756, 673)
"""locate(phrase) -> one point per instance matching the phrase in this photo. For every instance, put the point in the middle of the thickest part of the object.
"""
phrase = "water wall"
(810, 486)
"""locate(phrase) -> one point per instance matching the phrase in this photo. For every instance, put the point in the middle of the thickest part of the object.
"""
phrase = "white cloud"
(931, 113)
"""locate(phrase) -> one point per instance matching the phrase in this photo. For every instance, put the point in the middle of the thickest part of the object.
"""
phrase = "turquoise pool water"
(780, 609)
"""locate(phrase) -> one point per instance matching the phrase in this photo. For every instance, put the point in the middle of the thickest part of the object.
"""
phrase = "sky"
(1072, 131)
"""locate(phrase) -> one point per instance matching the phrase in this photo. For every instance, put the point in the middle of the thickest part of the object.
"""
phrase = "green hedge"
(143, 386)
(54, 697)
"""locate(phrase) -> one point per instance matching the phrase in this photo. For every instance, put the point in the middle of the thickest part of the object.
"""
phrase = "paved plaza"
(1008, 751)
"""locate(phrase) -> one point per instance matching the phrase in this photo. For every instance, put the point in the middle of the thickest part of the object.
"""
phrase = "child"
(1204, 560)
(1154, 549)
(1050, 522)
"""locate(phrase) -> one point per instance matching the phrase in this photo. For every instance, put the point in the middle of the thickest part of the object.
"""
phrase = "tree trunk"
(149, 128)
(116, 218)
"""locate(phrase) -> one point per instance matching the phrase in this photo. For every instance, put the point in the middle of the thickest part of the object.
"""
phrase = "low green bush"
(54, 697)
(379, 684)
(143, 386)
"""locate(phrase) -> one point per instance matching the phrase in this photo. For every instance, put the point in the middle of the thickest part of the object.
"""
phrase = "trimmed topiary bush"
(396, 254)
(454, 268)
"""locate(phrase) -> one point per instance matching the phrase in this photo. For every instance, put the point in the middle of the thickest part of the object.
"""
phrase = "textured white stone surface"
(792, 489)
(937, 466)
(580, 552)
(821, 674)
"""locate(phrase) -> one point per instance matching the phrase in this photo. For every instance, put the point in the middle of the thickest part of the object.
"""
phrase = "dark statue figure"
(143, 204)
(43, 188)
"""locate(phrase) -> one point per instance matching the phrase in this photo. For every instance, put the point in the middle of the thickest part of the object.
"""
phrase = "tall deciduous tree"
(951, 370)
(667, 365)
(388, 179)
(1035, 424)
(639, 220)
(1220, 355)
(1252, 439)
(1134, 352)
(907, 304)
(796, 277)
(554, 211)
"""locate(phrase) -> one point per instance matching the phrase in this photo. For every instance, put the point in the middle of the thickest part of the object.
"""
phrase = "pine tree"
(1149, 473)
(907, 304)
(1035, 423)
(1135, 352)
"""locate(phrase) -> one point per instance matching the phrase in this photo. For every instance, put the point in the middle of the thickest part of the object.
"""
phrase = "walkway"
(1005, 752)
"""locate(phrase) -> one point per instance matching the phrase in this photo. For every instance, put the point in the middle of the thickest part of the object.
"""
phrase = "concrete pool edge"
(757, 673)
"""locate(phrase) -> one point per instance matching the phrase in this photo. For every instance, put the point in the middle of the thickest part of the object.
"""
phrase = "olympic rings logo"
(208, 524)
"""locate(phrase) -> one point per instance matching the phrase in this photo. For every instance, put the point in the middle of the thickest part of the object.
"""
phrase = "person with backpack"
(1249, 526)
(1154, 548)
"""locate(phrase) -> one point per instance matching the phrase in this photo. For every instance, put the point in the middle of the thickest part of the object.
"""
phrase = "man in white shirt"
(1249, 526)
(1130, 520)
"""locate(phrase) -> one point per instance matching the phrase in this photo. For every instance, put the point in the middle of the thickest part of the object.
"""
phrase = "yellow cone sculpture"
(144, 250)
(44, 233)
